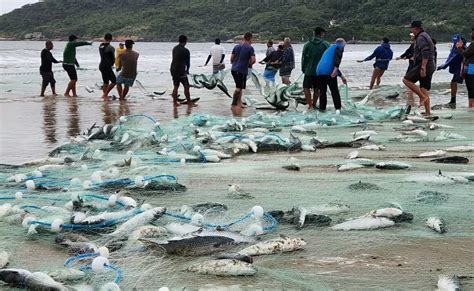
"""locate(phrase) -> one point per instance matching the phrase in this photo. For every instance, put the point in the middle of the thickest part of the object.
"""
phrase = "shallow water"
(407, 256)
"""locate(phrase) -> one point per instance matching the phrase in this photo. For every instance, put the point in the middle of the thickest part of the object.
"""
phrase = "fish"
(364, 223)
(362, 162)
(147, 231)
(15, 277)
(329, 209)
(292, 167)
(138, 220)
(223, 267)
(433, 126)
(282, 244)
(66, 274)
(301, 212)
(447, 135)
(436, 224)
(461, 149)
(352, 155)
(373, 147)
(79, 247)
(432, 154)
(392, 165)
(448, 283)
(364, 132)
(451, 160)
(209, 207)
(32, 281)
(418, 132)
(417, 119)
(4, 257)
(385, 212)
(361, 137)
(181, 228)
(349, 167)
(190, 245)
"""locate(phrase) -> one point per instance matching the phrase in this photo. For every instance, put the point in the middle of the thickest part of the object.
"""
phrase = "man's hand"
(423, 72)
(334, 73)
(344, 80)
(459, 44)
(398, 58)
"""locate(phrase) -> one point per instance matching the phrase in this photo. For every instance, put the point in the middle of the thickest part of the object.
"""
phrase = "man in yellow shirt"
(120, 50)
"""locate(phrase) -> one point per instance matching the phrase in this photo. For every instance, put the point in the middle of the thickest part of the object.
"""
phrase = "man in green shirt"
(69, 63)
(312, 52)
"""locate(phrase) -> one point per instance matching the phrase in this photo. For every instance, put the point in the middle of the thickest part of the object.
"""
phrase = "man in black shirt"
(107, 60)
(180, 69)
(46, 69)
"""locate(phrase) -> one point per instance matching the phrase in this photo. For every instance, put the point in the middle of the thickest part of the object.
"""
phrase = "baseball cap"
(416, 23)
(129, 42)
(72, 37)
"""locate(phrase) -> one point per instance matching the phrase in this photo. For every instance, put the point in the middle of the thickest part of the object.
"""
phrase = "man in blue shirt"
(382, 54)
(242, 57)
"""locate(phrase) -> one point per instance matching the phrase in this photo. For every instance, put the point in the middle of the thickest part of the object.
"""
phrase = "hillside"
(204, 20)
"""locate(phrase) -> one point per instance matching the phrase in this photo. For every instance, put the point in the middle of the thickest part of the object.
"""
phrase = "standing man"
(46, 68)
(382, 54)
(107, 60)
(243, 56)
(468, 67)
(408, 55)
(118, 52)
(424, 66)
(454, 62)
(272, 62)
(217, 54)
(312, 52)
(128, 74)
(180, 69)
(328, 70)
(70, 61)
(270, 48)
(288, 61)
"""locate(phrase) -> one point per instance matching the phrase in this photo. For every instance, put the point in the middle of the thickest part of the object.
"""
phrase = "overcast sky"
(8, 5)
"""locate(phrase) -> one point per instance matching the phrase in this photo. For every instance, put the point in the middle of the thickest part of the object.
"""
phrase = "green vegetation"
(204, 20)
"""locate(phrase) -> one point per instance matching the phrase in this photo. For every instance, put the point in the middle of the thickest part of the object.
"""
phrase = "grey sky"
(8, 5)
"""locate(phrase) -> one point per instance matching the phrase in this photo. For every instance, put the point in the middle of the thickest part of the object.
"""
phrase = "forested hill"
(204, 20)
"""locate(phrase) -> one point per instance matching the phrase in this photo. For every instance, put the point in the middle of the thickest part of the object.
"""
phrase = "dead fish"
(436, 224)
(282, 244)
(224, 267)
(451, 160)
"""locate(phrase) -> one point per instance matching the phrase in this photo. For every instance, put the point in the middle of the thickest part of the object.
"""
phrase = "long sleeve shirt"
(69, 55)
(47, 61)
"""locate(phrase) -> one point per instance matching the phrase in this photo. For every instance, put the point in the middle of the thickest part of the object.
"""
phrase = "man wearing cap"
(312, 53)
(424, 66)
(382, 54)
(454, 62)
(128, 74)
(118, 52)
(70, 61)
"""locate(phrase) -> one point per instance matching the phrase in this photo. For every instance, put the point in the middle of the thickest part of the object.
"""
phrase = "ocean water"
(408, 256)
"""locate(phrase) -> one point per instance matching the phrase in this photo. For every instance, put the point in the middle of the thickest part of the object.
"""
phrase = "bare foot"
(74, 95)
(42, 95)
(67, 95)
(176, 104)
(192, 104)
(423, 101)
(122, 99)
(54, 94)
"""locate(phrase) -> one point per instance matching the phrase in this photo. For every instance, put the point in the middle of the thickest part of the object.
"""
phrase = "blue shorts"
(126, 81)
(269, 75)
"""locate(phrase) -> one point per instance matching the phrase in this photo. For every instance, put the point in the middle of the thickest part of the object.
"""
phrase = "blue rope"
(118, 272)
(69, 261)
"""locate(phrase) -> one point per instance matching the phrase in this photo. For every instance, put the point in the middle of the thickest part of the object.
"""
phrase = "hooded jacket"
(382, 54)
(454, 60)
(312, 52)
(331, 59)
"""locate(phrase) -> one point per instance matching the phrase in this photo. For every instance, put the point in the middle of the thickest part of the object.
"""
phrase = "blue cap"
(456, 38)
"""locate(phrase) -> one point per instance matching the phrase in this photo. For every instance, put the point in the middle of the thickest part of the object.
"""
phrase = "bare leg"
(125, 92)
(379, 77)
(417, 91)
(286, 80)
(372, 80)
(53, 89)
(105, 86)
(108, 89)
(427, 101)
(471, 102)
(410, 100)
(174, 94)
(68, 88)
(120, 91)
(43, 89)
(73, 88)
(188, 96)
(236, 97)
(454, 91)
(307, 95)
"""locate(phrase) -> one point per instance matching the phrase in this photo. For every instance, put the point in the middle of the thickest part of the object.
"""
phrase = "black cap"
(385, 40)
(72, 37)
(318, 30)
(129, 42)
(416, 23)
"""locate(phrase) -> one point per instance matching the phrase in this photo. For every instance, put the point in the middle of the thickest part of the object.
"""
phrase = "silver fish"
(224, 267)
(282, 244)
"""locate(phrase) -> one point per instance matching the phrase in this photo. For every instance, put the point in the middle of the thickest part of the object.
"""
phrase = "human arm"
(373, 55)
(81, 43)
(408, 54)
(222, 59)
(265, 60)
(76, 63)
(337, 61)
(465, 52)
(188, 61)
(304, 58)
(208, 59)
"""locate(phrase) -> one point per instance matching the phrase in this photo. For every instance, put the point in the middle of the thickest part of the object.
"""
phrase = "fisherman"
(328, 70)
(312, 52)
(454, 62)
(107, 59)
(273, 63)
(288, 63)
(242, 57)
(468, 67)
(70, 61)
(46, 68)
(118, 52)
(382, 54)
(217, 54)
(408, 55)
(128, 74)
(180, 69)
(424, 66)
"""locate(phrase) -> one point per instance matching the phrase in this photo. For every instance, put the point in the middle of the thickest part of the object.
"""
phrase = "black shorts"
(311, 82)
(180, 79)
(108, 75)
(71, 71)
(414, 76)
(457, 79)
(48, 78)
(239, 79)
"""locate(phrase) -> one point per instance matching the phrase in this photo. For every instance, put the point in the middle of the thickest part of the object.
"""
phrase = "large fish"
(461, 149)
(448, 283)
(436, 224)
(451, 160)
(392, 165)
(147, 231)
(139, 220)
(32, 281)
(190, 246)
(282, 244)
(224, 267)
(329, 209)
(364, 223)
(3, 259)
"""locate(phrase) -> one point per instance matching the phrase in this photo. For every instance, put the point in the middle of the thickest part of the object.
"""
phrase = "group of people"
(320, 65)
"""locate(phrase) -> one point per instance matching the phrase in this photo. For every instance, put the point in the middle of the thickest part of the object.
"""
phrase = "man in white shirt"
(217, 53)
